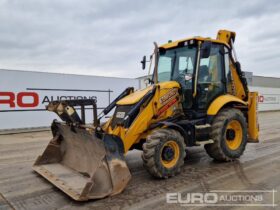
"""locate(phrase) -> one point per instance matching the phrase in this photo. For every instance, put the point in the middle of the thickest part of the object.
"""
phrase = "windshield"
(175, 62)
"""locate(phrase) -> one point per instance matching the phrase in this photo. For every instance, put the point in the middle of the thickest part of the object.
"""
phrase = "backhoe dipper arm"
(240, 82)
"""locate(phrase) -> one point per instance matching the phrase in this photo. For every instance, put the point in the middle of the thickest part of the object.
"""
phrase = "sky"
(109, 38)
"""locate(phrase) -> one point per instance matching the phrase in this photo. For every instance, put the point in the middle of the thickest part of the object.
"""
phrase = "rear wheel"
(229, 133)
(164, 153)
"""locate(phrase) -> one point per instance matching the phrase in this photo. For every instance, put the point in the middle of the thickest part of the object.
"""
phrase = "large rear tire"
(164, 153)
(229, 133)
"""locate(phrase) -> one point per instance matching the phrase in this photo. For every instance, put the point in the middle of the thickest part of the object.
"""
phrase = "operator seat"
(203, 85)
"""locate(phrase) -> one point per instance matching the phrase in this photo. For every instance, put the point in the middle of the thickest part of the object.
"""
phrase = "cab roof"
(198, 38)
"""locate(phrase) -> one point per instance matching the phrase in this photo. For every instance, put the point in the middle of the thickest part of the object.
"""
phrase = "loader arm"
(143, 108)
(239, 80)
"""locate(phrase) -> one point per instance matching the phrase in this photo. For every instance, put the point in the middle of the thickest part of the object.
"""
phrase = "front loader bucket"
(82, 165)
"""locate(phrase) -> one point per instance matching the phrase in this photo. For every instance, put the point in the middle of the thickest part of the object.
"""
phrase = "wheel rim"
(234, 135)
(170, 154)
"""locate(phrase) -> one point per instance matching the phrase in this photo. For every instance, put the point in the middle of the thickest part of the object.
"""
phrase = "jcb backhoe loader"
(198, 95)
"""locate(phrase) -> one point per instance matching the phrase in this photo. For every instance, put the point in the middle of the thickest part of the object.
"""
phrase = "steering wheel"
(181, 78)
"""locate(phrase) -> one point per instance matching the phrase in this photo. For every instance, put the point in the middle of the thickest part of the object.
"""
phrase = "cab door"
(210, 78)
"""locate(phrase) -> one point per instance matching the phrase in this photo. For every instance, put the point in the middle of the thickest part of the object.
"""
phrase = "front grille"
(119, 115)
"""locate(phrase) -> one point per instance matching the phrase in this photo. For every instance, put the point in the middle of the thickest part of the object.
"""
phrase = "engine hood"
(134, 97)
(137, 95)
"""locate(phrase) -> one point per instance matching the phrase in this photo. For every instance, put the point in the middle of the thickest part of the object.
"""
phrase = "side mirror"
(143, 62)
(148, 81)
(205, 49)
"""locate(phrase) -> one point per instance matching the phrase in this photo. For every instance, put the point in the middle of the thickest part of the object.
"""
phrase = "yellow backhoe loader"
(198, 95)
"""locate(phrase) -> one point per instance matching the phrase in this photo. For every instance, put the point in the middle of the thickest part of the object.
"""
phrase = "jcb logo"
(21, 99)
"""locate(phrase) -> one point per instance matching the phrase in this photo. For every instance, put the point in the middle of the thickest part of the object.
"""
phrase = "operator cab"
(202, 70)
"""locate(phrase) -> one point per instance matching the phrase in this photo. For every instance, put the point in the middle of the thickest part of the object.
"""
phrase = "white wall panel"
(269, 98)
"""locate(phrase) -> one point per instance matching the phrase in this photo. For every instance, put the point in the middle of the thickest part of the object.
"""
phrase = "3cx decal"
(168, 96)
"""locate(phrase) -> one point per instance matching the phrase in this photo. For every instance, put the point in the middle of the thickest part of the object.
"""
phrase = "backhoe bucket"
(82, 165)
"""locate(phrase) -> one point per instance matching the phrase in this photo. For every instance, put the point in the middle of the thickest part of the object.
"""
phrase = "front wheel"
(229, 133)
(164, 153)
